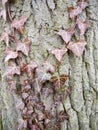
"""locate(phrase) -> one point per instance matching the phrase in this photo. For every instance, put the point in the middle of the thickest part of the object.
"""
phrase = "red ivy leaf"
(66, 35)
(48, 67)
(18, 24)
(12, 85)
(59, 53)
(10, 54)
(42, 74)
(23, 47)
(22, 124)
(3, 14)
(11, 70)
(82, 26)
(74, 12)
(82, 4)
(20, 105)
(77, 48)
(30, 68)
(4, 2)
(5, 37)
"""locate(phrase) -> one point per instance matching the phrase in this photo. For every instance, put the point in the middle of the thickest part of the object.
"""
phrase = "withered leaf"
(78, 47)
(59, 81)
(23, 47)
(59, 53)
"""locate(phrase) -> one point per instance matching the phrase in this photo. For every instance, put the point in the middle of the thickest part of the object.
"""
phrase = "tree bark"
(45, 17)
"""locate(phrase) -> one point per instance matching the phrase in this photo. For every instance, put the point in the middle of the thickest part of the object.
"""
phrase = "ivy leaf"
(59, 53)
(4, 2)
(3, 14)
(42, 74)
(23, 47)
(48, 67)
(5, 37)
(11, 70)
(18, 24)
(10, 54)
(73, 12)
(20, 105)
(78, 47)
(30, 68)
(82, 4)
(12, 85)
(22, 124)
(82, 26)
(66, 35)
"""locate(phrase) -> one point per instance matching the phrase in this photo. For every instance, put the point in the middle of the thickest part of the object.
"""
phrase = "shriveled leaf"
(48, 67)
(20, 105)
(3, 14)
(74, 12)
(59, 53)
(82, 4)
(22, 124)
(82, 26)
(5, 37)
(18, 24)
(11, 70)
(10, 54)
(23, 47)
(77, 48)
(66, 34)
(59, 81)
(4, 2)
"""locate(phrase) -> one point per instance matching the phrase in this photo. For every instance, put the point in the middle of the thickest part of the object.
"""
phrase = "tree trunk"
(45, 18)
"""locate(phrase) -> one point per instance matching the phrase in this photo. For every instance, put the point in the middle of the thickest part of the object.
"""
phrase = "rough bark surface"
(44, 18)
